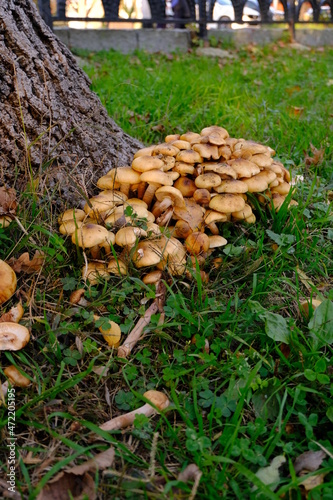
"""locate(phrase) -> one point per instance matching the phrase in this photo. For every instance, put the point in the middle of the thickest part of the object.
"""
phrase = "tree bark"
(52, 126)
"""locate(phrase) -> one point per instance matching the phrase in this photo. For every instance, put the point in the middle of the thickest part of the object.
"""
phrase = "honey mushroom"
(210, 171)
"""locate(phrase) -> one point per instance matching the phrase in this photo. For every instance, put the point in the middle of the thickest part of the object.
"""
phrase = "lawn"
(248, 373)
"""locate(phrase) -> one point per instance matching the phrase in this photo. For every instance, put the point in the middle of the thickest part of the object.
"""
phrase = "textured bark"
(51, 124)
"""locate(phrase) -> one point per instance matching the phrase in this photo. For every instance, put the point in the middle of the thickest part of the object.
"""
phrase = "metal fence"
(202, 14)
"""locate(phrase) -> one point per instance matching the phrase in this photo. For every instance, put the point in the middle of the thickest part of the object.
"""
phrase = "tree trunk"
(51, 125)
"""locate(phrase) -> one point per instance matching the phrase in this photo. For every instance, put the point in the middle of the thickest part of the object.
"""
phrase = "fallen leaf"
(312, 482)
(316, 158)
(24, 264)
(76, 482)
(8, 202)
(66, 485)
(158, 128)
(295, 111)
(291, 90)
(309, 461)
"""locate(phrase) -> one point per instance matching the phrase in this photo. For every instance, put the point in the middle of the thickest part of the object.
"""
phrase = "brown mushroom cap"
(128, 236)
(166, 149)
(231, 186)
(262, 160)
(202, 196)
(117, 266)
(227, 203)
(147, 253)
(8, 282)
(186, 186)
(122, 175)
(207, 181)
(215, 129)
(189, 156)
(191, 137)
(256, 184)
(197, 243)
(244, 168)
(144, 163)
(181, 144)
(70, 226)
(95, 272)
(216, 241)
(15, 377)
(226, 171)
(152, 277)
(157, 398)
(90, 235)
(172, 137)
(13, 336)
(243, 214)
(111, 334)
(144, 151)
(72, 214)
(183, 168)
(207, 151)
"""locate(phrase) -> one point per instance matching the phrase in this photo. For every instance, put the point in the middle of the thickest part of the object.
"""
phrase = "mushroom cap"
(15, 377)
(147, 253)
(189, 156)
(72, 214)
(69, 226)
(172, 137)
(191, 137)
(13, 336)
(123, 175)
(166, 149)
(95, 272)
(202, 196)
(197, 243)
(117, 266)
(256, 184)
(192, 213)
(5, 221)
(8, 282)
(152, 277)
(215, 129)
(213, 216)
(157, 398)
(244, 168)
(219, 168)
(262, 160)
(156, 177)
(282, 188)
(186, 186)
(183, 168)
(181, 144)
(144, 151)
(128, 236)
(170, 192)
(90, 235)
(243, 214)
(112, 334)
(227, 203)
(207, 151)
(144, 163)
(207, 181)
(225, 152)
(216, 241)
(231, 186)
(133, 202)
(173, 256)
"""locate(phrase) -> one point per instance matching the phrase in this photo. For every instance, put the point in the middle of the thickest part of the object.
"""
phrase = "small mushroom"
(8, 282)
(112, 334)
(157, 402)
(13, 336)
(15, 377)
(14, 315)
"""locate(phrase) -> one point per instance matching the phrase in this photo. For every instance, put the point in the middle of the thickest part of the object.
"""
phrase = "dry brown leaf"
(309, 461)
(67, 485)
(24, 264)
(316, 158)
(291, 90)
(158, 128)
(312, 482)
(295, 111)
(8, 202)
(76, 482)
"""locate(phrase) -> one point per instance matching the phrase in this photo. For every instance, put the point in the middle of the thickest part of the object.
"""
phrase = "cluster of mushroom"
(167, 204)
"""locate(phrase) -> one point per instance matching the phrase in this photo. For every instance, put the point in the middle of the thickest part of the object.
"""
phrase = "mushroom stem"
(158, 402)
(136, 334)
(126, 420)
(3, 391)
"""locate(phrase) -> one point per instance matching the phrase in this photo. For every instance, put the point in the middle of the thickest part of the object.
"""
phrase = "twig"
(136, 334)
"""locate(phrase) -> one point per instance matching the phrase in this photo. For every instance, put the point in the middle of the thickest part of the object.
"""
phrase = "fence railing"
(203, 14)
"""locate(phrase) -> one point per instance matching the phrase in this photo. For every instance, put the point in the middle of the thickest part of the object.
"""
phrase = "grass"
(264, 389)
